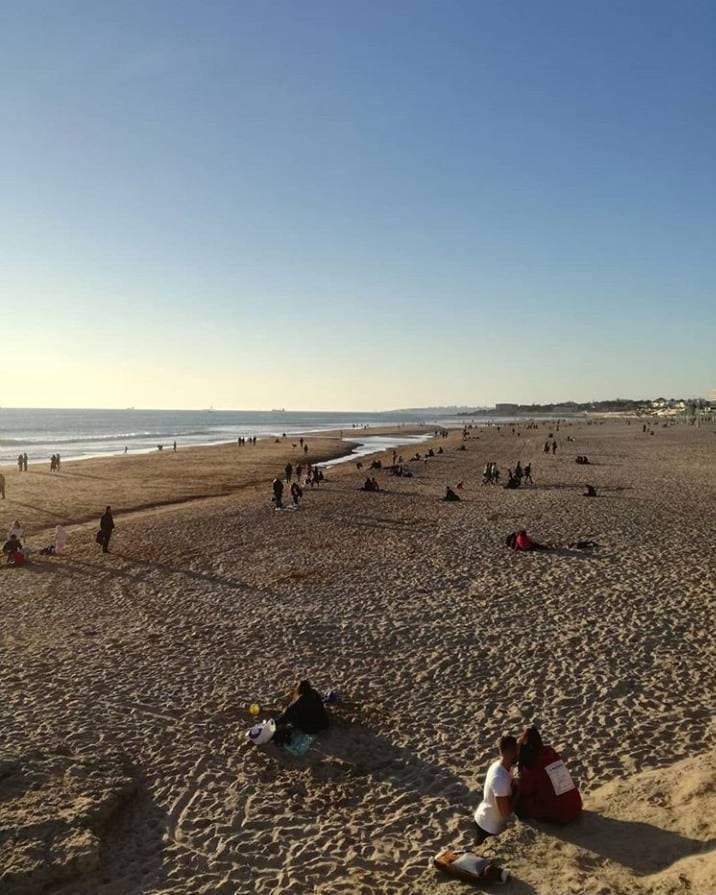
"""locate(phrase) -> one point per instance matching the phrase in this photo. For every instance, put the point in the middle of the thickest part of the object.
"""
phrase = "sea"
(80, 434)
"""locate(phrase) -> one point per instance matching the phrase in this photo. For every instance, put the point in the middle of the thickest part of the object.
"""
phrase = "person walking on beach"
(296, 493)
(528, 474)
(2, 486)
(24, 462)
(497, 803)
(19, 462)
(106, 527)
(289, 472)
(175, 447)
(52, 463)
(277, 493)
(554, 448)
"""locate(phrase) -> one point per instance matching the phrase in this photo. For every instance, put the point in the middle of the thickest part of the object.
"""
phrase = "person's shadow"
(641, 847)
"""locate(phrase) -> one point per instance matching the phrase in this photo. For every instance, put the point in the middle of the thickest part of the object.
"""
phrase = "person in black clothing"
(306, 712)
(296, 493)
(289, 471)
(450, 495)
(106, 527)
(278, 493)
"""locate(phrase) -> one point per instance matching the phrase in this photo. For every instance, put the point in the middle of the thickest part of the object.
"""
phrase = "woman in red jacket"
(546, 789)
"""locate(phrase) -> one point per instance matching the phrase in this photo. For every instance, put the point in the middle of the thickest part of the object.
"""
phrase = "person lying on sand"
(306, 712)
(499, 792)
(546, 789)
(521, 541)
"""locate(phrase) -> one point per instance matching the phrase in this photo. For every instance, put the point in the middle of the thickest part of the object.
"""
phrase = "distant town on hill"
(615, 405)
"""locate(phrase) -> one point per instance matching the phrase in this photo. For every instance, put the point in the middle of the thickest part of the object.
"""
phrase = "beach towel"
(299, 743)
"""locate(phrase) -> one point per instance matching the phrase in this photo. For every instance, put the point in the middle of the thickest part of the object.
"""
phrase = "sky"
(357, 206)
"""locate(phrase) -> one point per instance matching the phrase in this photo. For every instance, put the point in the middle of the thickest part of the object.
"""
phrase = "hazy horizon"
(371, 206)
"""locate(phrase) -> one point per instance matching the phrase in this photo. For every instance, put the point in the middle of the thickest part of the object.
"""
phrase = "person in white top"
(496, 806)
(16, 530)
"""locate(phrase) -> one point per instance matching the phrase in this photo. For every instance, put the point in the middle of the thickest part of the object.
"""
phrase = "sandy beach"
(126, 678)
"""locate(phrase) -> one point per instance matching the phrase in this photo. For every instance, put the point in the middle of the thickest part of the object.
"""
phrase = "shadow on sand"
(641, 847)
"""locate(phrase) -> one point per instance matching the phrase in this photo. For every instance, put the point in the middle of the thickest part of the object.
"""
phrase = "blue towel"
(299, 743)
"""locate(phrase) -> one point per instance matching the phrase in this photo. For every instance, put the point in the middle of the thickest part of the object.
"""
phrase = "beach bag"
(261, 733)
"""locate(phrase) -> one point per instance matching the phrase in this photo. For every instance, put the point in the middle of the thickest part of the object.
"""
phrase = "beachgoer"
(590, 491)
(2, 486)
(528, 474)
(546, 447)
(16, 530)
(306, 712)
(19, 462)
(277, 493)
(496, 806)
(296, 493)
(546, 789)
(289, 471)
(60, 538)
(554, 448)
(13, 551)
(57, 462)
(450, 495)
(24, 462)
(106, 527)
(175, 446)
(522, 542)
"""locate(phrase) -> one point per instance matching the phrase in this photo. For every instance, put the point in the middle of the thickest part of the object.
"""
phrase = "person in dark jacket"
(277, 487)
(106, 527)
(306, 712)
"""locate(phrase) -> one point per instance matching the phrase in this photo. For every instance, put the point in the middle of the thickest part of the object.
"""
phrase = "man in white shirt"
(496, 806)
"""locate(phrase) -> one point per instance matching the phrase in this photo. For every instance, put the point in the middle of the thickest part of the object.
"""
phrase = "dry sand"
(125, 678)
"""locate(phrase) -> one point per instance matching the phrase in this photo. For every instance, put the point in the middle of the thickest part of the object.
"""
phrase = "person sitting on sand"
(546, 789)
(499, 791)
(450, 495)
(17, 530)
(590, 491)
(368, 485)
(306, 712)
(13, 551)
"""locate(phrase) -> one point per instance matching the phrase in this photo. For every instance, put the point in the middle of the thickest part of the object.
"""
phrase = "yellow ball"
(254, 708)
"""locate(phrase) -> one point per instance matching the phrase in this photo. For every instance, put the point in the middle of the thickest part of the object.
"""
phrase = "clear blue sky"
(325, 205)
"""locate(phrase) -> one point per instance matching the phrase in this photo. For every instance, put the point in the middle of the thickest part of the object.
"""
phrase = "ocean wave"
(49, 438)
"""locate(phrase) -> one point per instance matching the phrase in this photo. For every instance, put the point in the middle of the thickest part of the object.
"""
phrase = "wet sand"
(126, 678)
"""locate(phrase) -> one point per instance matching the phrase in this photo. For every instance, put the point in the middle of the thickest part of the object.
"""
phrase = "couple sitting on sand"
(544, 789)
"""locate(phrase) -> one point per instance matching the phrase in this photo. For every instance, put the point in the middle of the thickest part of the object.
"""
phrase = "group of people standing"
(22, 462)
(55, 463)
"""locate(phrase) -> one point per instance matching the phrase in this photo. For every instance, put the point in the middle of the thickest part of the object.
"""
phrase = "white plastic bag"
(262, 732)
